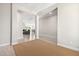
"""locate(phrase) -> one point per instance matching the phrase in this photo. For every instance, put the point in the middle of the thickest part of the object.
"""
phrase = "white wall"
(16, 24)
(4, 23)
(68, 18)
(48, 27)
(19, 26)
(28, 20)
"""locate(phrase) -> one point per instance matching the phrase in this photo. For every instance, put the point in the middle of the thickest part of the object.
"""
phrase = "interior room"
(26, 26)
(39, 29)
(48, 26)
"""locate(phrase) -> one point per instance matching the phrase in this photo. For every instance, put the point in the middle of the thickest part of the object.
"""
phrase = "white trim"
(48, 36)
(5, 44)
(37, 26)
(8, 44)
(14, 43)
(66, 46)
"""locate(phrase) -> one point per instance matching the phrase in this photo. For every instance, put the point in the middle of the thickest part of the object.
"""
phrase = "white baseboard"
(17, 42)
(14, 43)
(48, 36)
(5, 44)
(69, 47)
(8, 44)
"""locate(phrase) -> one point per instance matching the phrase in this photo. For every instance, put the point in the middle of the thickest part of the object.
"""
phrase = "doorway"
(25, 26)
(48, 27)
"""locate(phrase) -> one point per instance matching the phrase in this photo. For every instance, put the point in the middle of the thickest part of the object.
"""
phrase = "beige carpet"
(42, 48)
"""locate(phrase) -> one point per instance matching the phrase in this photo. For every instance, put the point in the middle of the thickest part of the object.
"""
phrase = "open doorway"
(26, 26)
(48, 27)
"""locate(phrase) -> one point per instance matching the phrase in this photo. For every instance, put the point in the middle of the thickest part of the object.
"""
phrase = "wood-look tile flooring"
(42, 48)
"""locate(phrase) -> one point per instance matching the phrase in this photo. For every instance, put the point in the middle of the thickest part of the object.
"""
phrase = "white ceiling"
(27, 16)
(35, 7)
(50, 14)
